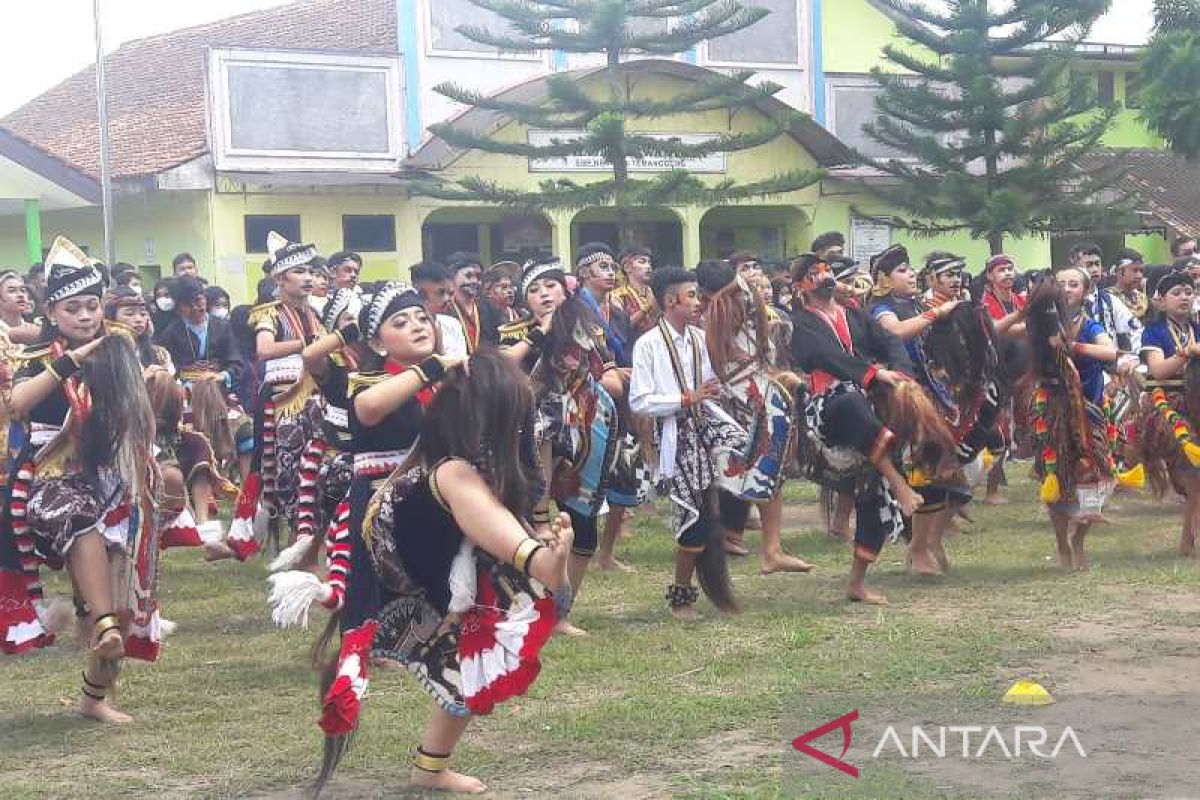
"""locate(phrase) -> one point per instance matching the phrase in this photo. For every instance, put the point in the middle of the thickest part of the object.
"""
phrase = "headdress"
(995, 261)
(339, 302)
(844, 267)
(70, 272)
(882, 266)
(393, 297)
(942, 264)
(592, 252)
(536, 269)
(1169, 281)
(285, 255)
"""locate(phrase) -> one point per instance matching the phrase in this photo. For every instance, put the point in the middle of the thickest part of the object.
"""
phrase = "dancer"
(1170, 412)
(673, 382)
(465, 602)
(850, 355)
(760, 398)
(1073, 454)
(84, 493)
(499, 292)
(15, 307)
(1004, 304)
(288, 414)
(633, 294)
(476, 317)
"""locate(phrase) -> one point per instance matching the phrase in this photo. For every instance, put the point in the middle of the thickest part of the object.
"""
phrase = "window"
(1107, 89)
(371, 233)
(775, 39)
(1133, 90)
(447, 15)
(851, 105)
(259, 225)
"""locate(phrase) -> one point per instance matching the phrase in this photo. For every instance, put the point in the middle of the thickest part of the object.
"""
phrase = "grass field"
(647, 707)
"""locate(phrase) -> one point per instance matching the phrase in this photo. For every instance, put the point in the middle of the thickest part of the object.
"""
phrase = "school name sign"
(713, 162)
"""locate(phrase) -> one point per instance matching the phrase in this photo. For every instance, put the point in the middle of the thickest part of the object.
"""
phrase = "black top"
(53, 409)
(397, 431)
(815, 346)
(335, 388)
(221, 348)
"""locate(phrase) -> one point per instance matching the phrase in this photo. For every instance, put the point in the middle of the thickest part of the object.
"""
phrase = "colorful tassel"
(1133, 478)
(1179, 427)
(1050, 492)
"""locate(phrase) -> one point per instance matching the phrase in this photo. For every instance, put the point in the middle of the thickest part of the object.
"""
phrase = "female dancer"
(464, 604)
(1171, 409)
(575, 383)
(1073, 458)
(83, 494)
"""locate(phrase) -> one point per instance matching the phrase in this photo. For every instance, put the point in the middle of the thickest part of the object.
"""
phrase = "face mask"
(164, 303)
(221, 313)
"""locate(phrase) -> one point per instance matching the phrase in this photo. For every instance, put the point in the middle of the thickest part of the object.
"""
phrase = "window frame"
(803, 48)
(855, 82)
(425, 14)
(245, 238)
(358, 248)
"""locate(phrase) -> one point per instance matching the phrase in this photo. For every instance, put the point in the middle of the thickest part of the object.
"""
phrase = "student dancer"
(84, 493)
(476, 317)
(465, 598)
(633, 294)
(500, 293)
(577, 386)
(1004, 304)
(760, 398)
(673, 382)
(856, 367)
(1166, 439)
(288, 413)
(1073, 457)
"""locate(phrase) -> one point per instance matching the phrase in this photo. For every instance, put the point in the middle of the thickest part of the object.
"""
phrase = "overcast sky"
(44, 41)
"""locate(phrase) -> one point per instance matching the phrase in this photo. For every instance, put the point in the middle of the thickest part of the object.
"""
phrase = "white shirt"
(1116, 317)
(654, 390)
(454, 338)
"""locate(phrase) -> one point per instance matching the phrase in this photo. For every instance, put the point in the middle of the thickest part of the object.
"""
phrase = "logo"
(843, 723)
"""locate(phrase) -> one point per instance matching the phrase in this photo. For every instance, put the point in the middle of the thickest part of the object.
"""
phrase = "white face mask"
(164, 303)
(221, 312)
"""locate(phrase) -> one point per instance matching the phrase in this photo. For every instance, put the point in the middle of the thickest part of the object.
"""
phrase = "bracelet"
(62, 368)
(536, 338)
(349, 334)
(431, 370)
(524, 554)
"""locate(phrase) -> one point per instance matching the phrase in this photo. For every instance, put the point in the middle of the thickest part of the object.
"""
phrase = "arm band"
(63, 367)
(524, 554)
(536, 338)
(432, 370)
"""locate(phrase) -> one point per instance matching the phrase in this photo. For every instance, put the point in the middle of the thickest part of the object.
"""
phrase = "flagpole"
(102, 119)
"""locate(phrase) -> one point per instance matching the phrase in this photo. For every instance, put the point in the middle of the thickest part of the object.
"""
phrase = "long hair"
(166, 401)
(210, 416)
(119, 433)
(568, 318)
(1045, 317)
(963, 346)
(480, 415)
(729, 309)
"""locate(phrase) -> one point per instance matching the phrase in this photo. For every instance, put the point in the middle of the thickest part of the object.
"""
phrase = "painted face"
(946, 283)
(750, 270)
(345, 274)
(602, 275)
(820, 283)
(437, 295)
(407, 336)
(195, 310)
(639, 269)
(77, 318)
(1178, 302)
(1003, 275)
(500, 293)
(544, 296)
(296, 283)
(467, 281)
(135, 317)
(1074, 286)
(685, 298)
(14, 299)
(904, 281)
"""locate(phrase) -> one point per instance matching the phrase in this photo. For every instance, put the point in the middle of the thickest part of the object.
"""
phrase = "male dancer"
(1004, 306)
(476, 318)
(674, 383)
(634, 295)
(436, 287)
(846, 353)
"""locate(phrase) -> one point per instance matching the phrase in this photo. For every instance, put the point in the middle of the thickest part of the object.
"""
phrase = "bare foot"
(1080, 560)
(101, 711)
(1066, 561)
(909, 500)
(686, 613)
(565, 628)
(783, 562)
(216, 551)
(865, 596)
(939, 553)
(922, 563)
(612, 564)
(447, 781)
(735, 548)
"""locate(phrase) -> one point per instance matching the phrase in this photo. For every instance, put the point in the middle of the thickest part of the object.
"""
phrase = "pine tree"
(1171, 76)
(991, 122)
(601, 119)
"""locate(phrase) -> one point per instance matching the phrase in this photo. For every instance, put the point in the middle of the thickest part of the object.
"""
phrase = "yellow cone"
(989, 458)
(1134, 477)
(1028, 693)
(1192, 451)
